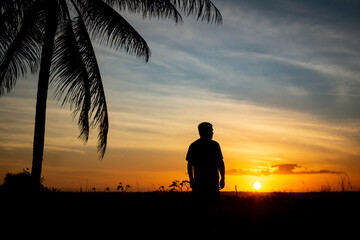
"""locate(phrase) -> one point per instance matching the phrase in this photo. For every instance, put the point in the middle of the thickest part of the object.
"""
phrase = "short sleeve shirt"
(205, 155)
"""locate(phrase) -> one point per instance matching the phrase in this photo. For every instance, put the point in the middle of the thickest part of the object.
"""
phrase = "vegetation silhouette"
(160, 213)
(53, 38)
(121, 188)
(22, 183)
(172, 211)
(177, 186)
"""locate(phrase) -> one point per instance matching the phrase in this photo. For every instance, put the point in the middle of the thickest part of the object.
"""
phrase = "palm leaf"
(12, 13)
(148, 8)
(77, 80)
(21, 5)
(9, 22)
(23, 50)
(98, 101)
(203, 10)
(70, 77)
(111, 29)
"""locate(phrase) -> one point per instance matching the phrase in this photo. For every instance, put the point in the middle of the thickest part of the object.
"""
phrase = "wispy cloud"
(281, 169)
(289, 168)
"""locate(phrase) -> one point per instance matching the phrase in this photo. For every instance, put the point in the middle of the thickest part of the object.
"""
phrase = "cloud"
(298, 55)
(288, 169)
(280, 169)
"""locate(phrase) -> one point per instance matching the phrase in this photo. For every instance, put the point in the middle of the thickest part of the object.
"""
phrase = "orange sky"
(256, 141)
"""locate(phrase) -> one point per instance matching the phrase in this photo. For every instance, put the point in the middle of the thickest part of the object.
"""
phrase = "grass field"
(153, 213)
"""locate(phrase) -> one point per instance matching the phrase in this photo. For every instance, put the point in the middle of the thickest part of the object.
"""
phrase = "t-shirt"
(205, 155)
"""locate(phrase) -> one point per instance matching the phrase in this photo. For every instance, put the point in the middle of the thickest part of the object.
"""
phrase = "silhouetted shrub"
(121, 188)
(23, 182)
(177, 186)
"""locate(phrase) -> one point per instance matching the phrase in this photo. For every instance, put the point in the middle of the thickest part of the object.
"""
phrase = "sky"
(279, 80)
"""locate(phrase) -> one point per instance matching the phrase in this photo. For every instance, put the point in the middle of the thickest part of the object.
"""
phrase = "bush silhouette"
(177, 186)
(23, 182)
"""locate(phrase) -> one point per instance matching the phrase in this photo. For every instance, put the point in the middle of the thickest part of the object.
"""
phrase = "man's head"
(205, 130)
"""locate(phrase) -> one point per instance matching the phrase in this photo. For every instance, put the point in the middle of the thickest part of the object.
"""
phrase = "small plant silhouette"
(177, 186)
(161, 189)
(121, 188)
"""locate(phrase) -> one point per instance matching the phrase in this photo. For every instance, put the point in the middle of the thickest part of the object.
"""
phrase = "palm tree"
(53, 38)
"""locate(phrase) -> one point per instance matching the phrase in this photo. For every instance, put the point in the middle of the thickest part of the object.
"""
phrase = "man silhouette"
(205, 161)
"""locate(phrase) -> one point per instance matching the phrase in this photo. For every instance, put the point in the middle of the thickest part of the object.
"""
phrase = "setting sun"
(257, 185)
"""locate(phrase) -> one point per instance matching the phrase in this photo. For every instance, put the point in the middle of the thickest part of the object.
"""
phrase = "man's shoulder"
(195, 142)
(202, 142)
(214, 143)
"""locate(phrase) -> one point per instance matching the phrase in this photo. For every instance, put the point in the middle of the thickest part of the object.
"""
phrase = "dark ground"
(171, 215)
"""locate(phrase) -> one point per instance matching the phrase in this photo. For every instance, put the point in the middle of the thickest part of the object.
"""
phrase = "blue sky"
(275, 75)
(301, 55)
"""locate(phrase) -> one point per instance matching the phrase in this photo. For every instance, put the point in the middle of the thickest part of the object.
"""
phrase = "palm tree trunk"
(43, 83)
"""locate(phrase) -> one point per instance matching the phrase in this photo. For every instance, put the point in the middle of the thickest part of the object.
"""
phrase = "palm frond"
(70, 78)
(23, 49)
(98, 101)
(19, 4)
(203, 10)
(9, 23)
(12, 13)
(148, 8)
(111, 29)
(77, 80)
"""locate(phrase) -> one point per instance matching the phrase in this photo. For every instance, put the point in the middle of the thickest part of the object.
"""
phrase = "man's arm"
(221, 167)
(190, 173)
(222, 174)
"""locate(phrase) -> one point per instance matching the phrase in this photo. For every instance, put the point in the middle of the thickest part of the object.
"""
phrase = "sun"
(257, 185)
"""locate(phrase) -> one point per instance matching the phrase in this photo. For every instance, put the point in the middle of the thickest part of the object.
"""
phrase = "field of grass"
(154, 213)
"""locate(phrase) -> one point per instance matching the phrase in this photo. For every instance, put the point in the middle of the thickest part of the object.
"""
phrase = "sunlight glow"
(257, 185)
